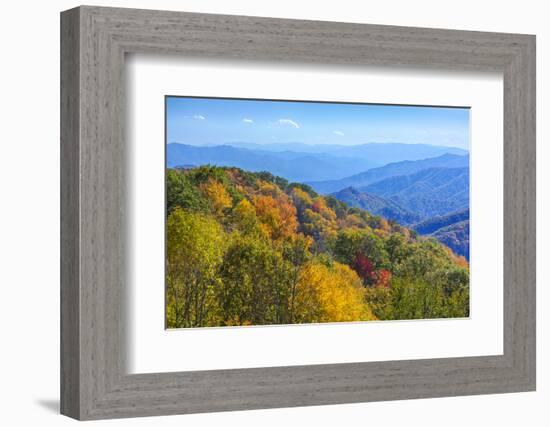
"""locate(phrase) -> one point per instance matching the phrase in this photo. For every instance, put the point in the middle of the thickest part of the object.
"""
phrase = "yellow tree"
(301, 199)
(317, 226)
(277, 216)
(320, 206)
(244, 217)
(330, 294)
(217, 195)
(268, 189)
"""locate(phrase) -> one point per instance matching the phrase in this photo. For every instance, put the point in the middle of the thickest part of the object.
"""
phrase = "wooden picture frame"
(94, 382)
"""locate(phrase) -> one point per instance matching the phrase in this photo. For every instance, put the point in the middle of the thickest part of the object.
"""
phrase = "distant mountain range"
(379, 153)
(429, 192)
(401, 168)
(422, 196)
(377, 205)
(304, 162)
(293, 166)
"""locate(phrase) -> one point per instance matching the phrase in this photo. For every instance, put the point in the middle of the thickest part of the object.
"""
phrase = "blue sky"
(209, 121)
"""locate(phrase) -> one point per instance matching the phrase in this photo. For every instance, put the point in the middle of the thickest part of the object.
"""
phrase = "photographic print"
(299, 212)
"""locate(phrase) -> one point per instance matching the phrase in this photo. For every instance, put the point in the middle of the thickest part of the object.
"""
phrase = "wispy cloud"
(338, 132)
(199, 117)
(247, 120)
(289, 122)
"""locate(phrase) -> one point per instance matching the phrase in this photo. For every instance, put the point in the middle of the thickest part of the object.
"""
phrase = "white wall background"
(29, 214)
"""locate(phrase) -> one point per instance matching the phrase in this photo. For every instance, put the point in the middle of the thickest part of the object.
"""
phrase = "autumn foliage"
(252, 249)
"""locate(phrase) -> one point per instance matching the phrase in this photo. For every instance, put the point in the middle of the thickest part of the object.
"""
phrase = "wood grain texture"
(70, 220)
(94, 380)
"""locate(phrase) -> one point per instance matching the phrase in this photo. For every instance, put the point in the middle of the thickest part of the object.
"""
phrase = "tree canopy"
(252, 249)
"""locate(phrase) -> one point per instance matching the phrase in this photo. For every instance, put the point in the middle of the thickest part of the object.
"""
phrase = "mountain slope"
(431, 225)
(376, 205)
(456, 236)
(452, 230)
(406, 167)
(429, 192)
(293, 166)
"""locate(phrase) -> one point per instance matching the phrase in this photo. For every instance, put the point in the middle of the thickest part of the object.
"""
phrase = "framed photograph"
(310, 231)
(262, 213)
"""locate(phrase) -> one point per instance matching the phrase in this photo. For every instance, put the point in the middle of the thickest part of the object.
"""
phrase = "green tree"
(256, 283)
(182, 192)
(415, 298)
(297, 252)
(397, 248)
(352, 242)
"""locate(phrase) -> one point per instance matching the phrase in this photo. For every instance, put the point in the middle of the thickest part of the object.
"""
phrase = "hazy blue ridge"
(293, 166)
(429, 192)
(401, 168)
(381, 153)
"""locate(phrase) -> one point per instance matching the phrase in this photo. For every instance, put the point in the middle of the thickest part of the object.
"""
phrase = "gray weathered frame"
(94, 41)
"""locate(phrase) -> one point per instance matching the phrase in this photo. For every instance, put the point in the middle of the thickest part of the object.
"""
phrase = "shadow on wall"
(51, 405)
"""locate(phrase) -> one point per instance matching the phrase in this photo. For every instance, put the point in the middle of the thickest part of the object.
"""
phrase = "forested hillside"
(377, 205)
(249, 248)
(456, 236)
(431, 225)
(429, 192)
(452, 230)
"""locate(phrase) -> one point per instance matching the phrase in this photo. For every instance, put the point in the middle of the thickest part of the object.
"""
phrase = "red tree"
(383, 278)
(364, 268)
